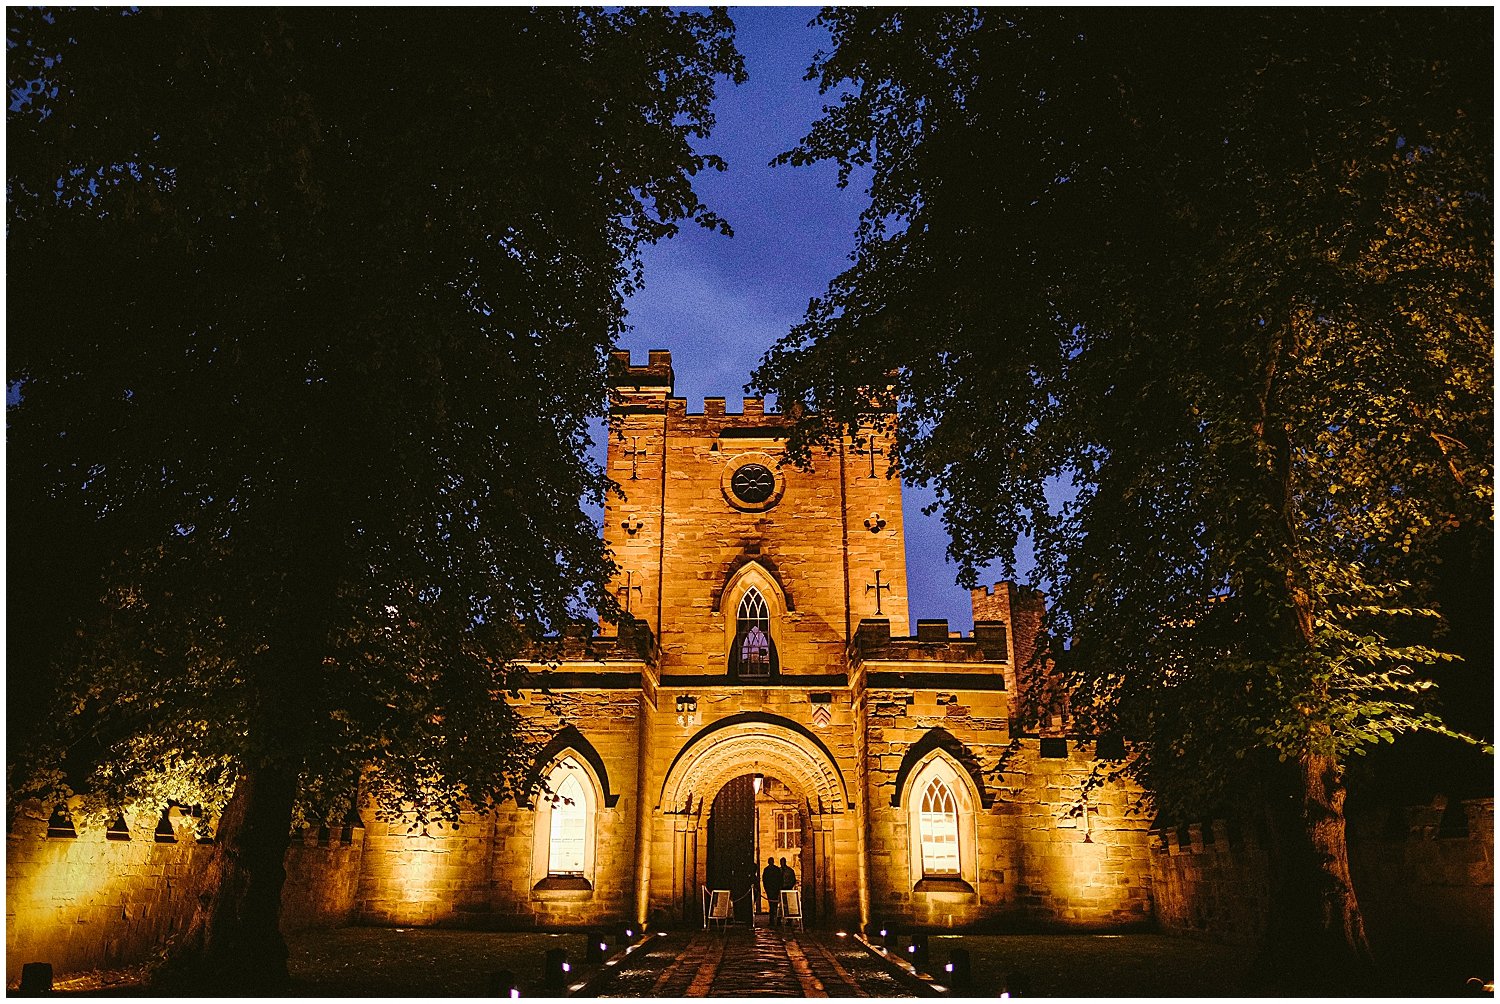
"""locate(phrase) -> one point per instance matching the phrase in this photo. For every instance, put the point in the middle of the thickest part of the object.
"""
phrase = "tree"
(309, 311)
(1226, 280)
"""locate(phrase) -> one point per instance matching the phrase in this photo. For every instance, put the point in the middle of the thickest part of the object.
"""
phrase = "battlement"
(716, 407)
(1001, 590)
(656, 374)
(649, 388)
(631, 642)
(933, 643)
(1020, 608)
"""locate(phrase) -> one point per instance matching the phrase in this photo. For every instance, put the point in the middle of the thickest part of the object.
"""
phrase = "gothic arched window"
(570, 816)
(563, 846)
(938, 823)
(754, 655)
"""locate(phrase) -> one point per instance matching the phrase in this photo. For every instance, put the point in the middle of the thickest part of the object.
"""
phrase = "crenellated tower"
(710, 516)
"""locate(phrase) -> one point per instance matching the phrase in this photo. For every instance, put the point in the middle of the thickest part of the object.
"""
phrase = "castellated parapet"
(765, 691)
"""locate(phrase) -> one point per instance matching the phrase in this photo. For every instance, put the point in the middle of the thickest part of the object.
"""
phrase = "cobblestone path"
(745, 963)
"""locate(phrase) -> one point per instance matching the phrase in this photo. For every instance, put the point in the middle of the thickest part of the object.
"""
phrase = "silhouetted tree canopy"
(1228, 280)
(308, 313)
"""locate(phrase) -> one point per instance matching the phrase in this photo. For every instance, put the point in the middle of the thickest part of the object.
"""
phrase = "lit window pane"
(753, 630)
(755, 653)
(938, 822)
(569, 820)
(788, 830)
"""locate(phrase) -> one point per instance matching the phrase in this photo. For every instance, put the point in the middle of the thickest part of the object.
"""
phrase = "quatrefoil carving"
(874, 522)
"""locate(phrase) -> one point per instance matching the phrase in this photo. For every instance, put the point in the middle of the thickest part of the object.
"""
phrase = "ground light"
(556, 969)
(959, 967)
(503, 984)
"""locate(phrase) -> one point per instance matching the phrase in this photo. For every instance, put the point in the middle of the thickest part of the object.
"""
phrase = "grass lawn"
(1097, 965)
(413, 962)
(384, 962)
(1154, 965)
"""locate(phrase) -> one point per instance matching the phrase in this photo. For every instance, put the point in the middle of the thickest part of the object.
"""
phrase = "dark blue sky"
(718, 303)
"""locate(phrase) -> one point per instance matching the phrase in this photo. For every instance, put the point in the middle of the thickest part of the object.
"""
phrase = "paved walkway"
(740, 962)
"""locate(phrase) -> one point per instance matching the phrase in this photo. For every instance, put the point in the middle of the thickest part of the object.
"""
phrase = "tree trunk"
(1315, 935)
(233, 944)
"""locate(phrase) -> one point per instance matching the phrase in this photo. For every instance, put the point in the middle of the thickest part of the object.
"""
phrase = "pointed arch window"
(570, 814)
(754, 654)
(564, 835)
(938, 824)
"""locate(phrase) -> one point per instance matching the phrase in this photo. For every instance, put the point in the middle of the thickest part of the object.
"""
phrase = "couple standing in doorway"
(775, 878)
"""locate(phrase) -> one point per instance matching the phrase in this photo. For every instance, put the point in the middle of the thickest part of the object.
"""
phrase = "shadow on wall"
(1424, 876)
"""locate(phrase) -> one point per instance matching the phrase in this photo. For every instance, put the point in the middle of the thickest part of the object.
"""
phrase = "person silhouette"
(771, 879)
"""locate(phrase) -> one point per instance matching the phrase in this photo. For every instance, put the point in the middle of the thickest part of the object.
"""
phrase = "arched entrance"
(732, 846)
(754, 819)
(702, 813)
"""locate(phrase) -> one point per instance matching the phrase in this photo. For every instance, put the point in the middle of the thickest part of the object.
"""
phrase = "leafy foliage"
(1227, 283)
(309, 311)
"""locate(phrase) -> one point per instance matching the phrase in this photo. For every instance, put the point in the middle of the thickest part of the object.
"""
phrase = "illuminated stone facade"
(768, 635)
(867, 736)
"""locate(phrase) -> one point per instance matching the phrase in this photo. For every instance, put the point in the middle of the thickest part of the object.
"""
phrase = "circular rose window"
(753, 484)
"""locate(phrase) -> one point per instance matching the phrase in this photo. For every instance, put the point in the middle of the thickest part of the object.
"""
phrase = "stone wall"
(1050, 858)
(1021, 611)
(322, 880)
(1074, 873)
(432, 876)
(486, 871)
(1425, 887)
(89, 902)
(1421, 886)
(1209, 881)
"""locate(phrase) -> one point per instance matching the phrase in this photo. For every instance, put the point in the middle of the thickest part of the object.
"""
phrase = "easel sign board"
(720, 907)
(791, 904)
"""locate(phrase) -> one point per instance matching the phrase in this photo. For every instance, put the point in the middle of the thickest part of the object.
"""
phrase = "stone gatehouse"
(767, 697)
